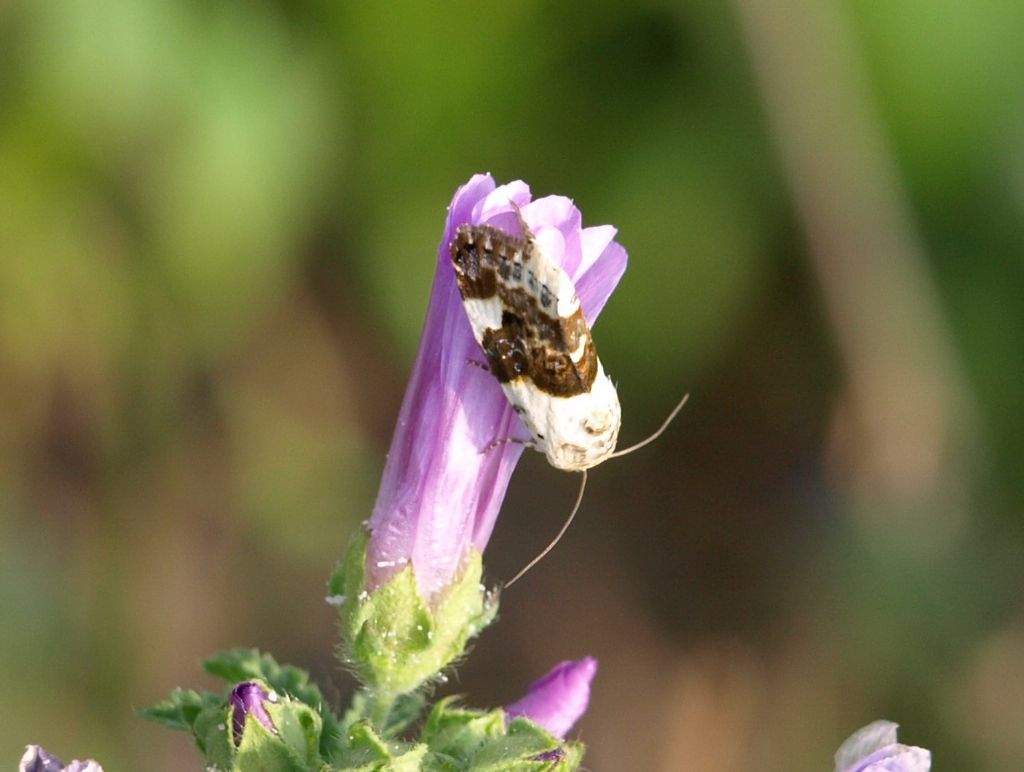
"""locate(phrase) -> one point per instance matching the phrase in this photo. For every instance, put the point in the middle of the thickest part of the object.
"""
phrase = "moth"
(524, 312)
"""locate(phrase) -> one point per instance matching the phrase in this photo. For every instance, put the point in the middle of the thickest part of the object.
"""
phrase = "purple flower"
(37, 759)
(557, 700)
(440, 494)
(247, 700)
(874, 749)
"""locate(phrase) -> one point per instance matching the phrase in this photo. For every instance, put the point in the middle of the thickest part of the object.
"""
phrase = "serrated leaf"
(516, 749)
(369, 752)
(179, 711)
(459, 733)
(185, 710)
(404, 713)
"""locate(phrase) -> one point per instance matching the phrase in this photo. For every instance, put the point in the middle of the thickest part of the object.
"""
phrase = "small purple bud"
(874, 749)
(557, 700)
(37, 759)
(247, 700)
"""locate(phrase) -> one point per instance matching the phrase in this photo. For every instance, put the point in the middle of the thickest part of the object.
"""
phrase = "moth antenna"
(558, 537)
(527, 233)
(658, 433)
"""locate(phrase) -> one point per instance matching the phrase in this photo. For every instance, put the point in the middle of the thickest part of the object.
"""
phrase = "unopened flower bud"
(559, 699)
(247, 700)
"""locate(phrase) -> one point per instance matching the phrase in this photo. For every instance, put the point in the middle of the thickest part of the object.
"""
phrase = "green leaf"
(459, 733)
(465, 740)
(179, 711)
(406, 710)
(519, 749)
(368, 752)
(198, 713)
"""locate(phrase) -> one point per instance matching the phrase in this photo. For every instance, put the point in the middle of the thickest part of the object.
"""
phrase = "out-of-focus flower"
(440, 495)
(247, 699)
(410, 590)
(37, 759)
(557, 700)
(875, 749)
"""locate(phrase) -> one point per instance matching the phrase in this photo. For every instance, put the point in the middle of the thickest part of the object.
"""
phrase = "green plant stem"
(381, 709)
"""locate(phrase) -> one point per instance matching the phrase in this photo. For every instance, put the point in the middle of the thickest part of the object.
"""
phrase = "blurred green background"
(218, 224)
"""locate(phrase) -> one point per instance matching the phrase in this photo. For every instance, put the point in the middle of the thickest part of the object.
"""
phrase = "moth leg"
(506, 441)
(482, 365)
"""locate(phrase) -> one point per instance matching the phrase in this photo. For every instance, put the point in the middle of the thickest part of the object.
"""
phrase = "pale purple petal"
(595, 286)
(496, 208)
(874, 749)
(559, 699)
(593, 242)
(440, 494)
(896, 758)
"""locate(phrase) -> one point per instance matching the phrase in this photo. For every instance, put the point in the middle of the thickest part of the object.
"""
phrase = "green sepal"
(393, 639)
(464, 740)
(369, 752)
(212, 733)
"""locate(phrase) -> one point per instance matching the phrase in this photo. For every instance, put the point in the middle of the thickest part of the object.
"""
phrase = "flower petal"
(865, 741)
(442, 487)
(874, 749)
(602, 276)
(896, 758)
